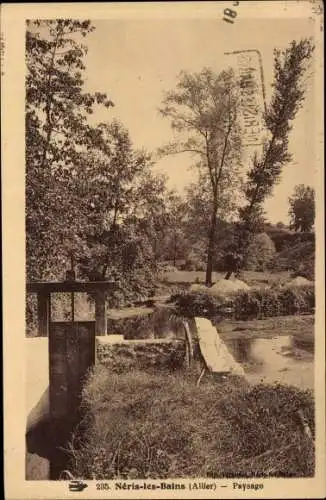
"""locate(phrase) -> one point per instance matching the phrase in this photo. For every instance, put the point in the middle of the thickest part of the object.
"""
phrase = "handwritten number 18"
(230, 14)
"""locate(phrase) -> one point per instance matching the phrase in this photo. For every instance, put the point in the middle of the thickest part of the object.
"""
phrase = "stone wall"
(121, 355)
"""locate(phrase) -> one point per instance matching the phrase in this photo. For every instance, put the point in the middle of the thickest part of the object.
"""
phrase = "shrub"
(260, 253)
(284, 239)
(255, 303)
(275, 301)
(193, 264)
(305, 269)
(146, 323)
(195, 260)
(297, 299)
(133, 326)
(196, 303)
(168, 268)
(298, 257)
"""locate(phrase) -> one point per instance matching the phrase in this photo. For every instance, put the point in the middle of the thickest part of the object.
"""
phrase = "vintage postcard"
(163, 249)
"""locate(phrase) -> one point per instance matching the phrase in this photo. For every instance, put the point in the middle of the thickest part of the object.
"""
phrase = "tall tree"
(203, 111)
(198, 202)
(124, 201)
(88, 191)
(290, 66)
(56, 133)
(302, 208)
(173, 242)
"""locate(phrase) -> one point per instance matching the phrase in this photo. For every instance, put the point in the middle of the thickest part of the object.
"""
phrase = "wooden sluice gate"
(71, 353)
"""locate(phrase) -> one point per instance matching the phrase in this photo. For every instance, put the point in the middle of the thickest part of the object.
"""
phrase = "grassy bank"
(300, 327)
(160, 425)
(252, 278)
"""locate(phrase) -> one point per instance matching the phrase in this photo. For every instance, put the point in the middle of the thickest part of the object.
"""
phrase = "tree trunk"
(211, 245)
(155, 252)
(175, 249)
(105, 266)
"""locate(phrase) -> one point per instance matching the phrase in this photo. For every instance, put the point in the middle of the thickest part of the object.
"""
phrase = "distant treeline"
(284, 238)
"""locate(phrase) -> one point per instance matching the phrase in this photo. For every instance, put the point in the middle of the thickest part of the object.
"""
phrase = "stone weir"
(145, 338)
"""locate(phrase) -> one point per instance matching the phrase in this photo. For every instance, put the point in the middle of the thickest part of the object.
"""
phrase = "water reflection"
(286, 359)
(282, 359)
(241, 349)
(249, 350)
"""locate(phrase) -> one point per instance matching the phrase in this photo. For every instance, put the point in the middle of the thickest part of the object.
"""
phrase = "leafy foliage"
(126, 208)
(306, 268)
(203, 112)
(89, 193)
(172, 242)
(285, 239)
(300, 258)
(288, 94)
(255, 303)
(260, 253)
(302, 208)
(275, 302)
(56, 134)
(196, 303)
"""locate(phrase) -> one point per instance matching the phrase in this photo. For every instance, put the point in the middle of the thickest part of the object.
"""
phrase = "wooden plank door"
(71, 354)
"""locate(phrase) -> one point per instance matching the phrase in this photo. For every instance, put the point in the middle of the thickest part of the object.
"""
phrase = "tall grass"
(160, 425)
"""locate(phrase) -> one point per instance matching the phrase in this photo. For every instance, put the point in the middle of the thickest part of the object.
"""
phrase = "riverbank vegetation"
(160, 425)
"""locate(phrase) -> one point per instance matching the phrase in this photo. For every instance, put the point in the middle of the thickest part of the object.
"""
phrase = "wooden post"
(72, 300)
(202, 373)
(100, 314)
(43, 312)
(189, 344)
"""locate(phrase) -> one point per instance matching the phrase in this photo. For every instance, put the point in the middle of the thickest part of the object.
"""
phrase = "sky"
(135, 60)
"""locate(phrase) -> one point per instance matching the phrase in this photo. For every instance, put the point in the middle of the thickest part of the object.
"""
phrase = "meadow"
(250, 277)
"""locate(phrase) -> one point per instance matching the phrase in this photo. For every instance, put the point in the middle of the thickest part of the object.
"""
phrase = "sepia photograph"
(172, 207)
